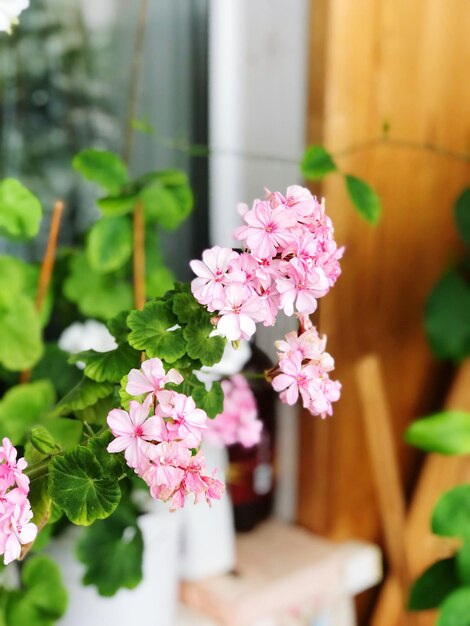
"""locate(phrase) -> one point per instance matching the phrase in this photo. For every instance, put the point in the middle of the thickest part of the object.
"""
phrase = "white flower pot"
(208, 533)
(152, 603)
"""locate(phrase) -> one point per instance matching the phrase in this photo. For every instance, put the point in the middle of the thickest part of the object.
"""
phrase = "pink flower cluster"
(303, 369)
(16, 528)
(290, 259)
(238, 423)
(160, 437)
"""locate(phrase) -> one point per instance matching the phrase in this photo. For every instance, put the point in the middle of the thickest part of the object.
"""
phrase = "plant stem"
(254, 375)
(47, 266)
(136, 72)
(139, 255)
(38, 470)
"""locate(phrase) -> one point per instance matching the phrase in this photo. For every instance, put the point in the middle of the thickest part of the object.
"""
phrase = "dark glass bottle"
(250, 476)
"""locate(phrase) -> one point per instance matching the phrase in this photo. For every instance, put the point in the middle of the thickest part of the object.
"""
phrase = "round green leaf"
(451, 516)
(456, 609)
(212, 401)
(168, 206)
(22, 407)
(42, 599)
(151, 331)
(118, 328)
(109, 244)
(108, 366)
(20, 334)
(463, 564)
(102, 167)
(364, 198)
(433, 586)
(78, 486)
(121, 204)
(97, 295)
(20, 211)
(462, 215)
(200, 345)
(112, 552)
(446, 433)
(447, 317)
(317, 163)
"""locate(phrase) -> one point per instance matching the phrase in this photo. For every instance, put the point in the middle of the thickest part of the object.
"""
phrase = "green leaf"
(40, 500)
(108, 366)
(78, 486)
(42, 440)
(456, 609)
(85, 394)
(150, 331)
(317, 163)
(143, 126)
(113, 465)
(20, 334)
(447, 317)
(121, 204)
(67, 433)
(54, 366)
(102, 167)
(445, 433)
(462, 215)
(20, 211)
(118, 327)
(463, 564)
(97, 295)
(22, 407)
(212, 402)
(433, 586)
(109, 244)
(42, 599)
(98, 412)
(200, 345)
(364, 198)
(112, 552)
(159, 281)
(451, 516)
(167, 205)
(188, 310)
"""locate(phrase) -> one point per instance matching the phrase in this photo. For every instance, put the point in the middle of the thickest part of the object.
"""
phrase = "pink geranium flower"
(208, 288)
(301, 289)
(294, 379)
(239, 313)
(151, 378)
(267, 229)
(17, 529)
(133, 429)
(186, 420)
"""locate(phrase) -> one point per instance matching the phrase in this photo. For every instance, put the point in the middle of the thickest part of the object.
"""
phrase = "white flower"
(89, 335)
(9, 12)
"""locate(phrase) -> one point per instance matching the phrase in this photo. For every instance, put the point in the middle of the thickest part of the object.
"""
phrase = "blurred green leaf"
(121, 204)
(98, 412)
(118, 327)
(447, 317)
(54, 366)
(24, 406)
(42, 599)
(112, 551)
(158, 281)
(102, 167)
(151, 331)
(96, 295)
(20, 334)
(108, 366)
(433, 586)
(451, 516)
(456, 609)
(20, 211)
(169, 206)
(364, 198)
(463, 564)
(42, 440)
(143, 126)
(445, 433)
(317, 163)
(85, 394)
(462, 215)
(109, 244)
(78, 486)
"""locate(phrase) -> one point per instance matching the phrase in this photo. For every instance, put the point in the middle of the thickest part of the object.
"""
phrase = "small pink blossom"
(151, 378)
(301, 289)
(186, 420)
(211, 272)
(239, 313)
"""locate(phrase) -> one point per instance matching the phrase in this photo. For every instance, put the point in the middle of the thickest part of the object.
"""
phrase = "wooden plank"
(399, 61)
(439, 473)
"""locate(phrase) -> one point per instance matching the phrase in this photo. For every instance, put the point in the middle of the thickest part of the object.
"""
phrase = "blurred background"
(235, 91)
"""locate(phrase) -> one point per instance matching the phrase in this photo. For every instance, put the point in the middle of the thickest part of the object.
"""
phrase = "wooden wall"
(407, 63)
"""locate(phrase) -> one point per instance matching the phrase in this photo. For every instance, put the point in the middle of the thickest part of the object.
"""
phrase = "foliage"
(318, 163)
